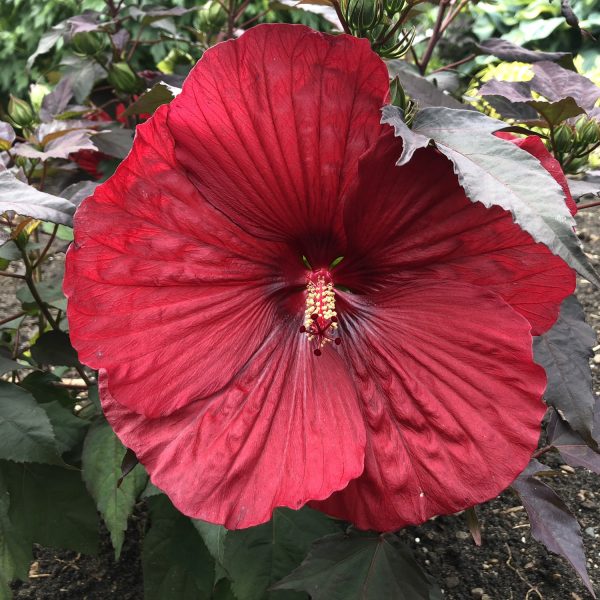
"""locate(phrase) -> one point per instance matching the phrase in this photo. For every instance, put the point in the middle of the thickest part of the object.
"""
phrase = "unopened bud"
(123, 79)
(20, 112)
(211, 16)
(563, 138)
(87, 43)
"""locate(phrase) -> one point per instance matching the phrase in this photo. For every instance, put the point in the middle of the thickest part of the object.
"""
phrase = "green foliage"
(102, 456)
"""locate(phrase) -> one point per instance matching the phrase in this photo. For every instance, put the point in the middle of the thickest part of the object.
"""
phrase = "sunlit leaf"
(26, 200)
(150, 100)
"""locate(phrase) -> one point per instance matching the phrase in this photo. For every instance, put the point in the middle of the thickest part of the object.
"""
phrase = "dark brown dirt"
(508, 566)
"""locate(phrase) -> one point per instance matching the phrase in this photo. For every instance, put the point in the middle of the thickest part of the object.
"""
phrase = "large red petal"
(287, 430)
(270, 127)
(165, 293)
(451, 398)
(415, 221)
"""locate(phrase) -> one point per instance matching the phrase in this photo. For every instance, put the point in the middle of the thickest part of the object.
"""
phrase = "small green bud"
(589, 133)
(397, 93)
(20, 112)
(123, 79)
(563, 138)
(177, 61)
(87, 43)
(211, 16)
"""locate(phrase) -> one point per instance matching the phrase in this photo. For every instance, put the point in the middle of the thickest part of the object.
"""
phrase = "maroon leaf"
(505, 50)
(552, 523)
(555, 83)
(564, 352)
(572, 447)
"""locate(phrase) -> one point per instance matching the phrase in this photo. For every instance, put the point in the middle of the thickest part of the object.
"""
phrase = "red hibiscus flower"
(245, 362)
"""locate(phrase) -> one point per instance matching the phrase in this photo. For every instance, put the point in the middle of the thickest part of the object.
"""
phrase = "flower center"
(320, 318)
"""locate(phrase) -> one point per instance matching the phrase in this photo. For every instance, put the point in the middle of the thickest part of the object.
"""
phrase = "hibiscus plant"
(270, 285)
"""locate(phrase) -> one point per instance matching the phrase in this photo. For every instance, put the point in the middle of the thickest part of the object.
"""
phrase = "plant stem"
(435, 37)
(462, 61)
(338, 12)
(9, 319)
(541, 451)
(46, 248)
(589, 205)
(14, 275)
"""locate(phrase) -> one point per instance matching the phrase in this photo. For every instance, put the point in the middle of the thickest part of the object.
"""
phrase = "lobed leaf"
(26, 434)
(572, 447)
(552, 523)
(496, 172)
(54, 348)
(27, 201)
(361, 566)
(564, 352)
(101, 470)
(509, 52)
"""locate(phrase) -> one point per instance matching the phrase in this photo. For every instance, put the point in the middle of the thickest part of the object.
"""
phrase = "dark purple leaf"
(79, 191)
(88, 21)
(114, 142)
(57, 100)
(572, 447)
(7, 133)
(47, 42)
(505, 50)
(120, 39)
(552, 523)
(564, 352)
(556, 83)
(514, 100)
(26, 200)
(496, 172)
(59, 147)
(363, 566)
(150, 15)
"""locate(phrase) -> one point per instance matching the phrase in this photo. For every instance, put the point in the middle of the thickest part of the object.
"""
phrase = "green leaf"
(15, 549)
(50, 506)
(150, 100)
(69, 429)
(257, 557)
(496, 172)
(175, 561)
(101, 464)
(41, 385)
(214, 538)
(359, 566)
(26, 200)
(26, 434)
(54, 348)
(7, 364)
